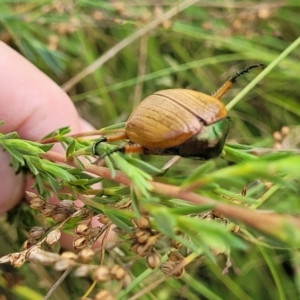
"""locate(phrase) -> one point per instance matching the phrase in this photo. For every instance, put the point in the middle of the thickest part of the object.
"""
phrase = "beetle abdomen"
(207, 144)
(160, 122)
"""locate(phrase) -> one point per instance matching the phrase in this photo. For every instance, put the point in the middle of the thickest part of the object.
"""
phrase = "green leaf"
(79, 163)
(79, 182)
(202, 169)
(8, 136)
(15, 154)
(117, 220)
(31, 165)
(44, 147)
(110, 166)
(164, 220)
(58, 132)
(54, 184)
(71, 148)
(16, 164)
(57, 171)
(260, 168)
(190, 209)
(139, 178)
(24, 147)
(114, 126)
(148, 168)
(237, 156)
(238, 146)
(210, 234)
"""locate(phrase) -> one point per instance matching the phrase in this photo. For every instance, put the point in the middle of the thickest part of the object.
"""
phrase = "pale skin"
(32, 105)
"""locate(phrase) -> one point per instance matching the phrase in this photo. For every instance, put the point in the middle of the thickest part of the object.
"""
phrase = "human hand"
(32, 105)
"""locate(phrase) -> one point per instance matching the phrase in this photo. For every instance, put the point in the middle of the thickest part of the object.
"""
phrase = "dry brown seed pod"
(5, 259)
(120, 7)
(37, 203)
(97, 15)
(86, 255)
(60, 214)
(83, 270)
(95, 231)
(236, 229)
(126, 281)
(142, 249)
(143, 223)
(285, 130)
(29, 243)
(175, 256)
(105, 295)
(102, 274)
(117, 272)
(168, 266)
(277, 145)
(53, 237)
(69, 255)
(68, 204)
(277, 136)
(134, 247)
(142, 236)
(17, 259)
(86, 213)
(31, 195)
(63, 264)
(83, 213)
(83, 229)
(36, 232)
(103, 219)
(153, 260)
(37, 255)
(175, 244)
(79, 243)
(48, 209)
(179, 273)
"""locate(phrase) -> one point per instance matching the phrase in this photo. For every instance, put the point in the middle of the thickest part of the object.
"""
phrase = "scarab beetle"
(180, 122)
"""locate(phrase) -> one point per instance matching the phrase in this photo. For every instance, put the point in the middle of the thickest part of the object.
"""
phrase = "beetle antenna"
(117, 149)
(231, 80)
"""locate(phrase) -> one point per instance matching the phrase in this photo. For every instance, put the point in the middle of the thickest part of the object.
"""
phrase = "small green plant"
(167, 222)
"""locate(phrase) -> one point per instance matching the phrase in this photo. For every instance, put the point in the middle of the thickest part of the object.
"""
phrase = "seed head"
(102, 274)
(80, 243)
(86, 255)
(153, 260)
(53, 237)
(117, 272)
(37, 203)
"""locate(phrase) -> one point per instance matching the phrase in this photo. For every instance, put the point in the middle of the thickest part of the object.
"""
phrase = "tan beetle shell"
(168, 118)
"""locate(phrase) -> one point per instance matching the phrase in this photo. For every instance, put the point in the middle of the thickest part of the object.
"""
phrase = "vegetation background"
(199, 48)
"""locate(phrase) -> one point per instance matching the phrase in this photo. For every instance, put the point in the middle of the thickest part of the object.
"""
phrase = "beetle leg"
(109, 138)
(127, 148)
